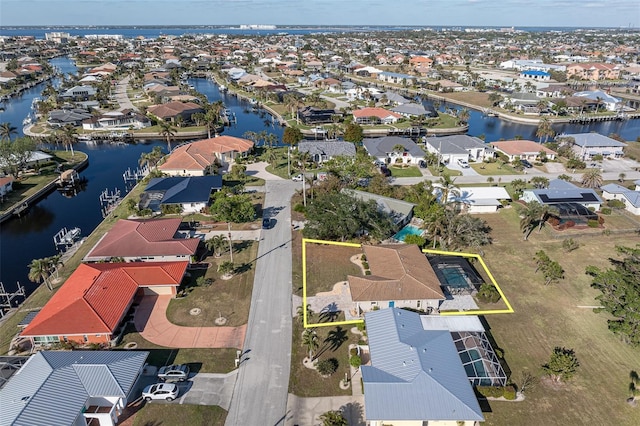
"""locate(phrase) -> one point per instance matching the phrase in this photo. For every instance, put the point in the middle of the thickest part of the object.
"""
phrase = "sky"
(503, 13)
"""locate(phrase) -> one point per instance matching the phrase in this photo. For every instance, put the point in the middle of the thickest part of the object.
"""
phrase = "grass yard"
(333, 343)
(493, 169)
(170, 414)
(203, 360)
(412, 171)
(327, 265)
(551, 316)
(229, 298)
(632, 150)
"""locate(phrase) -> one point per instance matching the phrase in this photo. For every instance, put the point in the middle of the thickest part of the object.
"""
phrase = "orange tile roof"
(96, 296)
(518, 147)
(398, 272)
(200, 154)
(171, 109)
(137, 238)
(380, 113)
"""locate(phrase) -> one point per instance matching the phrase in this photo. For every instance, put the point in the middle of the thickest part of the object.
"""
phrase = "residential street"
(121, 95)
(260, 395)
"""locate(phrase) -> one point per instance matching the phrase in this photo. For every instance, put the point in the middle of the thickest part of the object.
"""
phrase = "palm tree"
(302, 159)
(151, 159)
(333, 418)
(592, 179)
(6, 130)
(69, 137)
(622, 177)
(463, 115)
(39, 271)
(447, 187)
(167, 131)
(310, 340)
(545, 130)
(529, 217)
(215, 244)
(300, 312)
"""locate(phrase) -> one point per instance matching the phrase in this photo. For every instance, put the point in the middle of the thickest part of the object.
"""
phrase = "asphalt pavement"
(260, 395)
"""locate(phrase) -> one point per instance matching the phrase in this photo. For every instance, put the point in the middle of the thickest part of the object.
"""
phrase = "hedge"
(508, 392)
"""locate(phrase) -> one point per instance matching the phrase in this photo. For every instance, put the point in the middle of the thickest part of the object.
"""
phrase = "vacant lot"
(558, 315)
(228, 298)
(157, 414)
(328, 264)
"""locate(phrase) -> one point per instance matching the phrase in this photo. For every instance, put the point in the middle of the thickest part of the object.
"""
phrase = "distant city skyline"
(501, 13)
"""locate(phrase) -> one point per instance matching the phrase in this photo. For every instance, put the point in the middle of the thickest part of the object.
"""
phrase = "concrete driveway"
(468, 171)
(208, 389)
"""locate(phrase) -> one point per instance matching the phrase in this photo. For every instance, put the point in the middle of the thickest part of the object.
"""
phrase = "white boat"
(84, 138)
(26, 121)
(222, 88)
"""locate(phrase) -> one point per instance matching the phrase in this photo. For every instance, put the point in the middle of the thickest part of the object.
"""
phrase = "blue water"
(407, 230)
(455, 277)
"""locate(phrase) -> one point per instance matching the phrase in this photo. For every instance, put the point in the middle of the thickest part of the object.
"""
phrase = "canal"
(31, 236)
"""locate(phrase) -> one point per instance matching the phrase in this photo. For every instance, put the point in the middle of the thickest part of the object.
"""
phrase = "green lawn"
(171, 414)
(494, 169)
(412, 171)
(632, 150)
(548, 316)
(435, 172)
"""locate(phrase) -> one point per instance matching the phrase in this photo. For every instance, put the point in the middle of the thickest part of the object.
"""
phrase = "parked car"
(422, 164)
(174, 372)
(463, 164)
(266, 222)
(166, 391)
(297, 178)
(526, 164)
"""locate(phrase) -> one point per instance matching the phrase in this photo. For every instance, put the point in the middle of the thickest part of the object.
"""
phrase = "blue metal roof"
(541, 73)
(415, 374)
(53, 387)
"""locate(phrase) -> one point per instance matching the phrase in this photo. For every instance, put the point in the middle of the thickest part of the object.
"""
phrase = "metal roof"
(53, 387)
(379, 147)
(329, 148)
(462, 323)
(594, 140)
(415, 374)
(456, 144)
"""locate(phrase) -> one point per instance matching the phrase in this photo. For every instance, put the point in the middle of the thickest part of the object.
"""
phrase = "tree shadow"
(336, 338)
(329, 313)
(354, 413)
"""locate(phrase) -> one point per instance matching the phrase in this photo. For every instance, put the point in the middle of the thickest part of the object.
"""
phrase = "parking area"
(619, 165)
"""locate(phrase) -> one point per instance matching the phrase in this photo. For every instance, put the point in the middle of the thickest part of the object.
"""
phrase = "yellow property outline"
(306, 324)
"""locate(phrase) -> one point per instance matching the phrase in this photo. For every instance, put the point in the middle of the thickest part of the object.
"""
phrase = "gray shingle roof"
(52, 387)
(379, 147)
(415, 374)
(330, 149)
(456, 144)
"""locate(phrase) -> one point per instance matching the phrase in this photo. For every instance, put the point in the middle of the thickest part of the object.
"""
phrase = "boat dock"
(66, 237)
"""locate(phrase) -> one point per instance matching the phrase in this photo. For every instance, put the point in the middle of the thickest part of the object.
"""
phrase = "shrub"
(605, 210)
(509, 392)
(365, 265)
(367, 272)
(592, 223)
(616, 204)
(327, 367)
(553, 221)
(355, 361)
(361, 326)
(363, 257)
(490, 391)
(570, 224)
(570, 244)
(299, 208)
(488, 293)
(600, 220)
(353, 351)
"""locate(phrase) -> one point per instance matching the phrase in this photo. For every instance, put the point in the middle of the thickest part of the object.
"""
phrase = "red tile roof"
(96, 296)
(519, 147)
(171, 109)
(200, 154)
(380, 113)
(138, 238)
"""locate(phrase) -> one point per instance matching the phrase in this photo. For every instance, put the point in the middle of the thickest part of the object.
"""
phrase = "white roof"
(452, 324)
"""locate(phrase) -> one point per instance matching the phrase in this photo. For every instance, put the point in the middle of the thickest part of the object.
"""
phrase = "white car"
(166, 391)
(463, 164)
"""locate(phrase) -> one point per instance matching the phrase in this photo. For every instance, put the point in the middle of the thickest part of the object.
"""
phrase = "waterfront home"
(375, 116)
(523, 150)
(79, 93)
(190, 194)
(415, 376)
(321, 151)
(587, 145)
(311, 115)
(454, 148)
(77, 388)
(92, 304)
(394, 150)
(413, 110)
(600, 98)
(401, 276)
(6, 186)
(561, 194)
(171, 110)
(200, 157)
(62, 117)
(116, 120)
(630, 197)
(397, 78)
(146, 240)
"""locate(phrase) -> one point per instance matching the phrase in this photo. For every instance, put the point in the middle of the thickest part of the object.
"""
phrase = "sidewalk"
(307, 411)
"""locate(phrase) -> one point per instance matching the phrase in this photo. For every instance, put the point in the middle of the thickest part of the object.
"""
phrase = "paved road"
(260, 396)
(121, 95)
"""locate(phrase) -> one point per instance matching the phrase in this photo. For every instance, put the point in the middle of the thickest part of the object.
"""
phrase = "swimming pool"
(473, 364)
(407, 230)
(455, 277)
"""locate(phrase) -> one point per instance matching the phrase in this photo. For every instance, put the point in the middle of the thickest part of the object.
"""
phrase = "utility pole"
(230, 244)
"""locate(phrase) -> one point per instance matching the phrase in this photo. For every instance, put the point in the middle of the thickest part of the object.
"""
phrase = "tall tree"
(620, 293)
(292, 135)
(545, 130)
(310, 341)
(6, 131)
(167, 131)
(562, 364)
(592, 179)
(69, 133)
(353, 133)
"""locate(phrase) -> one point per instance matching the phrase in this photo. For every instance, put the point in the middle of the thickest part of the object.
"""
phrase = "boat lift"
(109, 201)
(65, 238)
(6, 298)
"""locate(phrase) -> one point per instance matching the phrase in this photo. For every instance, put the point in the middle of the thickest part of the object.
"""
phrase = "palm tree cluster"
(592, 178)
(533, 216)
(41, 270)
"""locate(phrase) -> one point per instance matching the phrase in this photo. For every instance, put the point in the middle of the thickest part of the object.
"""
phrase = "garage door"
(158, 290)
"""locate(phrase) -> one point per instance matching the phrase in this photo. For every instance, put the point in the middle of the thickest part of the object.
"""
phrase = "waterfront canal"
(31, 236)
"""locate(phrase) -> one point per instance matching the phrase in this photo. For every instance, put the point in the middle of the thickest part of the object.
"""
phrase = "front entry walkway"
(152, 324)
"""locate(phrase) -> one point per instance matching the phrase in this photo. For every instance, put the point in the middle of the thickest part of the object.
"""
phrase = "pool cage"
(573, 212)
(478, 358)
(456, 275)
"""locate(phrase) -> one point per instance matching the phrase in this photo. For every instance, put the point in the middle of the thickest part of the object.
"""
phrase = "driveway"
(259, 170)
(260, 396)
(468, 171)
(152, 324)
(307, 411)
(208, 389)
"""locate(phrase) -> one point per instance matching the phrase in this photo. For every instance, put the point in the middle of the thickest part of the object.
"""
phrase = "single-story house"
(629, 197)
(413, 109)
(397, 78)
(523, 150)
(147, 240)
(192, 193)
(92, 304)
(171, 110)
(6, 185)
(375, 116)
(196, 158)
(311, 115)
(79, 388)
(458, 147)
(117, 120)
(79, 92)
(401, 276)
(62, 117)
(481, 199)
(586, 145)
(385, 150)
(400, 211)
(601, 98)
(321, 151)
(416, 376)
(535, 75)
(562, 192)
